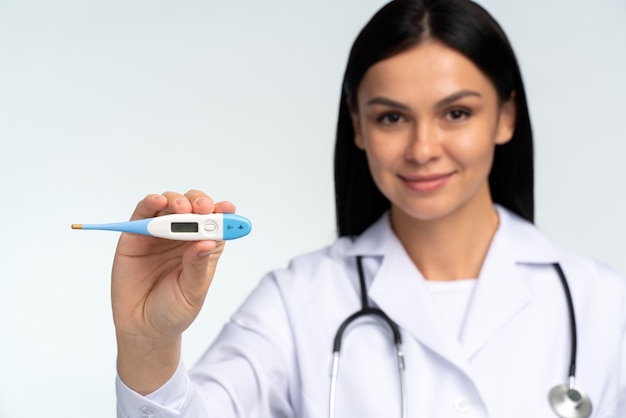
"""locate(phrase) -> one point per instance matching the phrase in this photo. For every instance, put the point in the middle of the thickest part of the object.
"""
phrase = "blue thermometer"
(182, 226)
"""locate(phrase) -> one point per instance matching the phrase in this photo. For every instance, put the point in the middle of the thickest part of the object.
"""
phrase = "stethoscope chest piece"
(570, 402)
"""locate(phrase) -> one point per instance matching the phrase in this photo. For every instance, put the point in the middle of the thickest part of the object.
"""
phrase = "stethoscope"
(567, 400)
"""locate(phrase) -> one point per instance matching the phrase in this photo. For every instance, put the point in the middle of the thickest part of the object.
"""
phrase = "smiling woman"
(103, 101)
(487, 51)
(435, 208)
(429, 117)
(429, 121)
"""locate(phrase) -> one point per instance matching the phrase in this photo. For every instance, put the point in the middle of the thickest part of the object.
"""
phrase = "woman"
(434, 195)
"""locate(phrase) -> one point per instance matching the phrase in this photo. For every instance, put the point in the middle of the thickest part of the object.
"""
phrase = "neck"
(452, 247)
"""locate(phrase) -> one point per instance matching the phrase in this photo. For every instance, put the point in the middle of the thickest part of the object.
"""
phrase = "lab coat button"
(462, 405)
(149, 412)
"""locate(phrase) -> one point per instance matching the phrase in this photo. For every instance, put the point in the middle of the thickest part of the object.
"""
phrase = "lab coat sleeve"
(167, 400)
(249, 371)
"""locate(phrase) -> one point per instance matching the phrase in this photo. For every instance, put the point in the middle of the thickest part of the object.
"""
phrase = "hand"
(159, 286)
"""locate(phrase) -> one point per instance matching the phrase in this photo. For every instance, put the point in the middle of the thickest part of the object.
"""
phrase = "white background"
(102, 102)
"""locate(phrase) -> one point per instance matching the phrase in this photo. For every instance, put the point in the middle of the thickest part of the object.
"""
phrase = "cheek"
(473, 148)
(385, 147)
(384, 154)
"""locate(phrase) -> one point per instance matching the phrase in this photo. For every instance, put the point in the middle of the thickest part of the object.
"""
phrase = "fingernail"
(202, 201)
(204, 254)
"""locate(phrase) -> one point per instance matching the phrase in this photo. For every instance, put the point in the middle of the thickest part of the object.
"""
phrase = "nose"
(423, 145)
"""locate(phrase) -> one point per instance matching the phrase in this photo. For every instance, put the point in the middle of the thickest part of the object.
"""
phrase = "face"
(428, 121)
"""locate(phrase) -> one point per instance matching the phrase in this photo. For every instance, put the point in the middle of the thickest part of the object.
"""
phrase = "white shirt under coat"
(273, 358)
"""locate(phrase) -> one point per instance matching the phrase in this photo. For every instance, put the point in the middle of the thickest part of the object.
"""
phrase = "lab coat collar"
(527, 244)
(500, 292)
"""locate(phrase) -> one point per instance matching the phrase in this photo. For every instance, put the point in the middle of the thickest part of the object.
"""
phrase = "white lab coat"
(273, 359)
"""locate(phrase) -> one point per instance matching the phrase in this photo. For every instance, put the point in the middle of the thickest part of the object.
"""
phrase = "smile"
(426, 183)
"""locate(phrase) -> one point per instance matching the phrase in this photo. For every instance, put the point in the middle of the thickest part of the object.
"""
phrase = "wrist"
(146, 363)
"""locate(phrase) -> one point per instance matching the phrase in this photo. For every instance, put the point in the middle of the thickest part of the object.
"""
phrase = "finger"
(200, 202)
(177, 203)
(224, 207)
(149, 206)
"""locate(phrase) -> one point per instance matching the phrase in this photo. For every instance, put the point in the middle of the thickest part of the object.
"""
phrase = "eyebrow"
(387, 102)
(456, 96)
(441, 103)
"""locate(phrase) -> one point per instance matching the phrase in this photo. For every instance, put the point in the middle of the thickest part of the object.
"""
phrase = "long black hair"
(467, 28)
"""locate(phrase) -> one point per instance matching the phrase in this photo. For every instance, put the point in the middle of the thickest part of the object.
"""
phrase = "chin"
(429, 209)
(422, 212)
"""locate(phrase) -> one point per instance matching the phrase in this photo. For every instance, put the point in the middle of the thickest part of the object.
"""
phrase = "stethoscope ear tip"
(570, 402)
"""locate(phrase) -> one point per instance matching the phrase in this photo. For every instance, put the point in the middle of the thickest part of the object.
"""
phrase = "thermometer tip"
(77, 226)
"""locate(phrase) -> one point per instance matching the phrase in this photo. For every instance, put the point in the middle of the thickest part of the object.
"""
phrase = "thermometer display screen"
(184, 227)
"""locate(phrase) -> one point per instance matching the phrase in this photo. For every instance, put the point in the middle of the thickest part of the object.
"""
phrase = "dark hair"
(467, 28)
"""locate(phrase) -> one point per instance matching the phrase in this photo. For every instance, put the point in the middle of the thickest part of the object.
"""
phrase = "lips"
(426, 183)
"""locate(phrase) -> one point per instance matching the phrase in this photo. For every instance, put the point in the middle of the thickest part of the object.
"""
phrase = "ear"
(506, 121)
(356, 126)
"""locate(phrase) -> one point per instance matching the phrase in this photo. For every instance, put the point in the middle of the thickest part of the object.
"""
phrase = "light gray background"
(102, 102)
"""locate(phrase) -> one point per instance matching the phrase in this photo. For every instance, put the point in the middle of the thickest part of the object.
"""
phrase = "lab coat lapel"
(399, 290)
(499, 295)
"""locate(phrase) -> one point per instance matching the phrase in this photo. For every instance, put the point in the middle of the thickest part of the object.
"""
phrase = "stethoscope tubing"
(572, 321)
(367, 310)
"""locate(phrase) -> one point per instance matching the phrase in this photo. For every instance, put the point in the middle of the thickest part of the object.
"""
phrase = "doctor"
(434, 192)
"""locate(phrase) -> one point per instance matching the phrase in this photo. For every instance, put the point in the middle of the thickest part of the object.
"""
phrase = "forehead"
(431, 70)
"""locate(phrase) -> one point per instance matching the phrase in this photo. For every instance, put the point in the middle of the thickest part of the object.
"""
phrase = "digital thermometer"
(182, 226)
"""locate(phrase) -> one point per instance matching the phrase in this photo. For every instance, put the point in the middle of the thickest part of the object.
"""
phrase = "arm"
(249, 371)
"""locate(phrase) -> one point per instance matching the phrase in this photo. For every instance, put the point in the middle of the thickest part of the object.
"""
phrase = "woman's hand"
(158, 288)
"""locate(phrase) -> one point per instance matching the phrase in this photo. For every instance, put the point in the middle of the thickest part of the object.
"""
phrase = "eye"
(390, 118)
(455, 115)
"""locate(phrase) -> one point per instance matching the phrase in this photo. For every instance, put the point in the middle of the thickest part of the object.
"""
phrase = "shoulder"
(340, 257)
(591, 274)
(531, 246)
(316, 264)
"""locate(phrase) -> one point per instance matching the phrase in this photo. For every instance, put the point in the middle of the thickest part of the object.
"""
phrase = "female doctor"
(461, 306)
